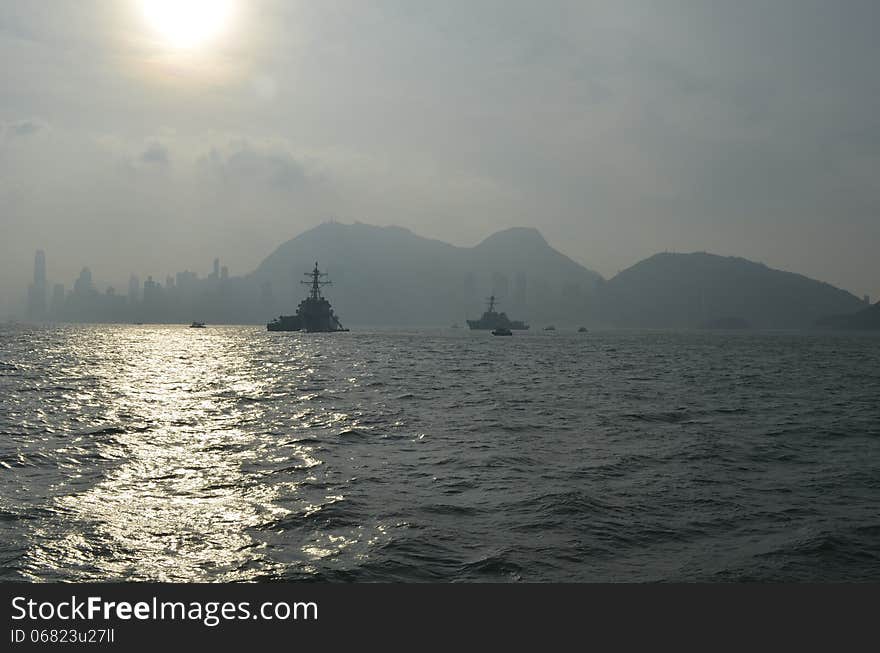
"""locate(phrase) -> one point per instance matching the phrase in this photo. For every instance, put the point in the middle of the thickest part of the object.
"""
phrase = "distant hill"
(391, 276)
(699, 289)
(868, 318)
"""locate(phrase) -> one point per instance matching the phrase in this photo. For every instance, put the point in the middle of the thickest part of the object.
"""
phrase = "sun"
(187, 24)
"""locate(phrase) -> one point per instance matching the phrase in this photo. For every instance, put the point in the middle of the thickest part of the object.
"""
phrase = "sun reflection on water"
(180, 505)
(200, 455)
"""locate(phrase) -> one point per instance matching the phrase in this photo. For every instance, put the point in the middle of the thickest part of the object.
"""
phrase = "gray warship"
(494, 320)
(314, 314)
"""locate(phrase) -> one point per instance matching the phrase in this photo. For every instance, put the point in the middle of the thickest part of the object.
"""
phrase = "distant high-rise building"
(469, 292)
(216, 273)
(520, 287)
(151, 291)
(500, 285)
(134, 289)
(40, 268)
(224, 273)
(37, 291)
(83, 285)
(185, 280)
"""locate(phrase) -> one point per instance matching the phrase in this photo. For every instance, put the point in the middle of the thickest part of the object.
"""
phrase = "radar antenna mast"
(316, 282)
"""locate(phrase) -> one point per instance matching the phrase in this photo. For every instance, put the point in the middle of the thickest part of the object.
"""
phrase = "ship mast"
(316, 282)
(491, 301)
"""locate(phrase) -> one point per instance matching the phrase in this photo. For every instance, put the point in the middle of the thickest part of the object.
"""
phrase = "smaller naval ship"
(314, 314)
(492, 319)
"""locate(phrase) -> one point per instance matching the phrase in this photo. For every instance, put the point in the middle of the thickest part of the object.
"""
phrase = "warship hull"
(484, 324)
(316, 316)
(285, 323)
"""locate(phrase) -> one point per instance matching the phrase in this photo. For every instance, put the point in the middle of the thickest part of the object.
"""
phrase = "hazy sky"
(618, 129)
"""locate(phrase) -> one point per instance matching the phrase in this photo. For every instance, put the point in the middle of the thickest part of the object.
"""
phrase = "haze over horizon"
(618, 130)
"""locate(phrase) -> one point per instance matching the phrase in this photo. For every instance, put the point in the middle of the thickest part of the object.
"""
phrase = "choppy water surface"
(231, 453)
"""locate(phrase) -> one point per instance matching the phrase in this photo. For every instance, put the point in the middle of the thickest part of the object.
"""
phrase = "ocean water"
(233, 454)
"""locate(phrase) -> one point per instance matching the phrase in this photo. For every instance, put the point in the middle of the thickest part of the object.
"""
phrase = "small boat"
(197, 325)
(582, 330)
(550, 328)
(501, 331)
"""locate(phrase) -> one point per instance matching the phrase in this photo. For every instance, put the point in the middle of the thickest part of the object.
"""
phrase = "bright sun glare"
(187, 23)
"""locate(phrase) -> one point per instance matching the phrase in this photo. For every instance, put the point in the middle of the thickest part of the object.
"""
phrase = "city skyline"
(503, 265)
(39, 305)
(87, 300)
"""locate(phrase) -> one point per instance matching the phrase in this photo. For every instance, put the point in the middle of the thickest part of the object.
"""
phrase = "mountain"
(868, 318)
(391, 276)
(701, 289)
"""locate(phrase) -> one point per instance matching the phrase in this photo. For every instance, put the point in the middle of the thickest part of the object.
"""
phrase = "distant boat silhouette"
(550, 328)
(492, 319)
(582, 330)
(502, 331)
(197, 325)
(313, 314)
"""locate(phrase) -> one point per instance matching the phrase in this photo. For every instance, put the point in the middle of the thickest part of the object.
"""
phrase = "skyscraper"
(520, 286)
(83, 286)
(37, 291)
(40, 268)
(134, 289)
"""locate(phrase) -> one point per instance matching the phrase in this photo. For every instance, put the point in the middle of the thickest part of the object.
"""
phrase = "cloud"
(242, 162)
(24, 127)
(156, 154)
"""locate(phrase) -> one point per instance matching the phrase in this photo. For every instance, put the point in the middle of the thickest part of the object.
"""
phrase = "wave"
(449, 509)
(667, 416)
(352, 434)
(493, 566)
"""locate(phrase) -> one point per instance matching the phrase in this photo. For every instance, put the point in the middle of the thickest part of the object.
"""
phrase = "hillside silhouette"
(700, 289)
(391, 276)
(867, 319)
